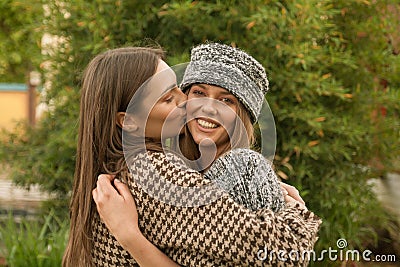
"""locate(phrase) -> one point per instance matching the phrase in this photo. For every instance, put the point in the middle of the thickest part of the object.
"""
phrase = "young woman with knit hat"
(221, 231)
(218, 74)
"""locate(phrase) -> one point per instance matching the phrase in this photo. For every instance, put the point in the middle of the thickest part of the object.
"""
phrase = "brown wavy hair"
(109, 82)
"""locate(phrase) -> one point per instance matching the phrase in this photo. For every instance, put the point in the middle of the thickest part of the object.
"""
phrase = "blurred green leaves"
(20, 33)
(333, 75)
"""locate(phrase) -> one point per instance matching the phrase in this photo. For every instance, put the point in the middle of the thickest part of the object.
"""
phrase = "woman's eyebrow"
(201, 85)
(226, 93)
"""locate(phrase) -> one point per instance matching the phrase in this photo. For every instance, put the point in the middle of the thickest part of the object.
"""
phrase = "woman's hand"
(291, 194)
(117, 208)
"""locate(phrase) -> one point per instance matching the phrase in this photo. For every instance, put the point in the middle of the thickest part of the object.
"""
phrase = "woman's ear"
(126, 122)
(120, 119)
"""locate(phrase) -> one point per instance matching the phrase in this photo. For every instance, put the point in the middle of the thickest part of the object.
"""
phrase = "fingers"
(122, 189)
(296, 195)
(292, 192)
(125, 193)
(109, 177)
(284, 191)
(104, 185)
(289, 199)
(94, 194)
(104, 190)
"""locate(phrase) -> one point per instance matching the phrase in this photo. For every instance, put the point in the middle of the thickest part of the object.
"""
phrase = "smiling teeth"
(206, 124)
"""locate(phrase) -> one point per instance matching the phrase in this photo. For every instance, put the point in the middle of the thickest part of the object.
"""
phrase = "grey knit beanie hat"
(230, 68)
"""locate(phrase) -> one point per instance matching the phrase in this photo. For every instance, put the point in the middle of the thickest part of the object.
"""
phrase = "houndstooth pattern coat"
(214, 230)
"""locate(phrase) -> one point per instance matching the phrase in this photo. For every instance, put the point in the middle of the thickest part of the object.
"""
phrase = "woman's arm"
(116, 207)
(118, 211)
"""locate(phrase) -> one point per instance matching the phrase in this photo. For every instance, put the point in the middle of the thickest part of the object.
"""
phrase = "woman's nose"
(209, 107)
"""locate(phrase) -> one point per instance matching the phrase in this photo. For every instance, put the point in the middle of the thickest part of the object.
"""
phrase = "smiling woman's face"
(211, 114)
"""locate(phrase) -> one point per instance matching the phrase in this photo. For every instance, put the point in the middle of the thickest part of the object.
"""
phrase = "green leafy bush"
(20, 32)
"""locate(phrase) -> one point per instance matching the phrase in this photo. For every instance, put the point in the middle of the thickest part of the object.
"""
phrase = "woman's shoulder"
(173, 160)
(169, 157)
(165, 176)
(155, 157)
(166, 165)
(244, 156)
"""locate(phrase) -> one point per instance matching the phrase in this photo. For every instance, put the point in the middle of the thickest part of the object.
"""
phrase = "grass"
(36, 243)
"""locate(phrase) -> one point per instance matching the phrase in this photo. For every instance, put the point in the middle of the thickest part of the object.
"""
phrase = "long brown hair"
(110, 81)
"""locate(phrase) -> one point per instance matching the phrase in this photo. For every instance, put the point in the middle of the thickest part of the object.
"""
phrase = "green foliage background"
(334, 90)
(20, 28)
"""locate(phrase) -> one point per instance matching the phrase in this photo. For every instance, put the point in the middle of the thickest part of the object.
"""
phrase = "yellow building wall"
(13, 107)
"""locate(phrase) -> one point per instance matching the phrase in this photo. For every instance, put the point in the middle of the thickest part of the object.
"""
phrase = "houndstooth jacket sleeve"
(219, 233)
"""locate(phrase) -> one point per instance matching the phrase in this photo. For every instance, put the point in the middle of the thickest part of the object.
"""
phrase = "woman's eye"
(197, 92)
(169, 99)
(227, 100)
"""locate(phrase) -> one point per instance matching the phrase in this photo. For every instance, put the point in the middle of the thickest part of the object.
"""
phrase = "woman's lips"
(206, 124)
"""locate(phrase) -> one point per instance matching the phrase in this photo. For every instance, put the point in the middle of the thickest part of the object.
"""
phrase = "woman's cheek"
(231, 122)
(190, 109)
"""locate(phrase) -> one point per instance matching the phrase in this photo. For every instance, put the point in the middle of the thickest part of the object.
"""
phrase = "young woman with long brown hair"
(110, 81)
